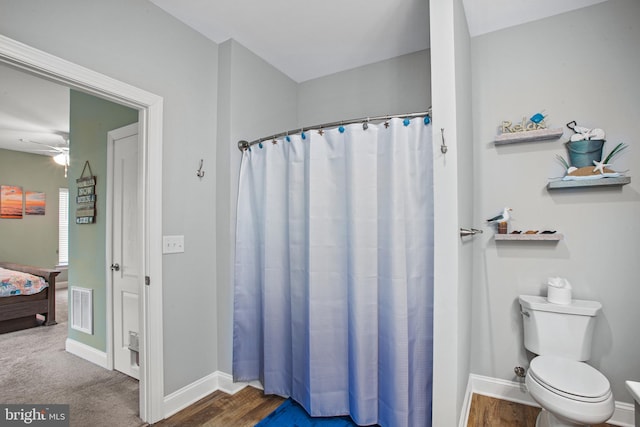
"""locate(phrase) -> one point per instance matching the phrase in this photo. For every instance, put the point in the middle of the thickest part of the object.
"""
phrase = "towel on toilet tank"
(558, 290)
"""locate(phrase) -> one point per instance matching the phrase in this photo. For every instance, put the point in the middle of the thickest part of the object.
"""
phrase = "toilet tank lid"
(579, 307)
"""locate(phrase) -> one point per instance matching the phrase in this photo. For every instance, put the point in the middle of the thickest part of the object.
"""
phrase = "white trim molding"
(191, 393)
(86, 352)
(517, 392)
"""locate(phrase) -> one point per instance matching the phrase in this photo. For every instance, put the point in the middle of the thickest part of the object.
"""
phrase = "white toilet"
(570, 392)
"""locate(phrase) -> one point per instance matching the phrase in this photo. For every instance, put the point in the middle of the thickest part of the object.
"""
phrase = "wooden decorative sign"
(86, 199)
(524, 126)
(532, 129)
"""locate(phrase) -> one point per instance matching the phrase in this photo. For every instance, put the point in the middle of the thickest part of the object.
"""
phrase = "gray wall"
(138, 43)
(466, 200)
(255, 100)
(451, 95)
(33, 239)
(395, 86)
(583, 66)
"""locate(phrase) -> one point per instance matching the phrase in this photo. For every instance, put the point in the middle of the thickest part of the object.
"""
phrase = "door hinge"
(147, 280)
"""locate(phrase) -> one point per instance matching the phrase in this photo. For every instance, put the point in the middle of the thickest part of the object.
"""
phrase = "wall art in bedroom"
(10, 201)
(86, 199)
(34, 203)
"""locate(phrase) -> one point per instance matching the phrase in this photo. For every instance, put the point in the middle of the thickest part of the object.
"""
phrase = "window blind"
(63, 226)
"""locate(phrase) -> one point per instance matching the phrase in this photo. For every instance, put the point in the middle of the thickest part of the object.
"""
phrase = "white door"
(126, 263)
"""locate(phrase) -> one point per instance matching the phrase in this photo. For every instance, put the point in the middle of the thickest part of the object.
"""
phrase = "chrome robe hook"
(443, 147)
(200, 172)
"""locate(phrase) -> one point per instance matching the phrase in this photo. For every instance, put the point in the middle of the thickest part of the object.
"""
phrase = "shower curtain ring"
(365, 125)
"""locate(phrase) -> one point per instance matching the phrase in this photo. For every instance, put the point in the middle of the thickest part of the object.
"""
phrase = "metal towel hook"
(200, 172)
(443, 147)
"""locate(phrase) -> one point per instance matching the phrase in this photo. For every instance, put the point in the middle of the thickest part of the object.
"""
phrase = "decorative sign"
(532, 129)
(86, 199)
(84, 220)
(524, 126)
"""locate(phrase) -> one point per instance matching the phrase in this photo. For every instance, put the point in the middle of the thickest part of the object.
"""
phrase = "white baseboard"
(517, 392)
(86, 352)
(195, 391)
(624, 415)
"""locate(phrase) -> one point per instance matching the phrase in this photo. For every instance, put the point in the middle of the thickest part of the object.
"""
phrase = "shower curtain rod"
(244, 145)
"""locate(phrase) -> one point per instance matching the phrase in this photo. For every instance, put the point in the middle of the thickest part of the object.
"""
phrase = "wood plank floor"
(487, 411)
(244, 409)
(247, 407)
(491, 412)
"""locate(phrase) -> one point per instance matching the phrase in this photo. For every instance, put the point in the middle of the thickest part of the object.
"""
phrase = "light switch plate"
(172, 244)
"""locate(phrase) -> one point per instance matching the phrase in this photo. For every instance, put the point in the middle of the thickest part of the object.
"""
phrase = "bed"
(19, 311)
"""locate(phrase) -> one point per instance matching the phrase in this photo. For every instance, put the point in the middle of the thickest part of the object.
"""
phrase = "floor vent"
(82, 309)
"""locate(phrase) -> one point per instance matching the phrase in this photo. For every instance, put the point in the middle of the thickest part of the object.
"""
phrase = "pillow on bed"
(19, 283)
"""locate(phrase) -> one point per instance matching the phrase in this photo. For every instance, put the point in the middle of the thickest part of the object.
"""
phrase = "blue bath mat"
(290, 414)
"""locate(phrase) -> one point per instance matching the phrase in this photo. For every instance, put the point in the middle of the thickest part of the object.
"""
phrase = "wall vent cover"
(82, 309)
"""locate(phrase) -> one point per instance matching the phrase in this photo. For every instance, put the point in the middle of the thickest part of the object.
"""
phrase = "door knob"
(115, 267)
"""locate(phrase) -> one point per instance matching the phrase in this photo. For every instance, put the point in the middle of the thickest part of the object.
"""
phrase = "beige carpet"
(36, 369)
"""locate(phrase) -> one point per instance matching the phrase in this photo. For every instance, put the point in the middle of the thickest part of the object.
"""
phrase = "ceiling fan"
(61, 153)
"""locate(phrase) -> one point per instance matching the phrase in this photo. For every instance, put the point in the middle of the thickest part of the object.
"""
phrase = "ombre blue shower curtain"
(333, 298)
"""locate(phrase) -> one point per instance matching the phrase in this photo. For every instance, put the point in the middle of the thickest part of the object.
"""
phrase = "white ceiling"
(304, 39)
(307, 39)
(486, 16)
(33, 112)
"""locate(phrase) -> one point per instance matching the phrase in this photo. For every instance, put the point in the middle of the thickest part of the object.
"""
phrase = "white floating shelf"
(621, 180)
(526, 136)
(534, 237)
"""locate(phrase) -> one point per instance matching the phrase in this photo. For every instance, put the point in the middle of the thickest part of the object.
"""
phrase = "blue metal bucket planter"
(583, 153)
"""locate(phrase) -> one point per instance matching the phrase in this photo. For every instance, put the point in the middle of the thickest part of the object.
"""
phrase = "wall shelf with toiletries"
(529, 237)
(617, 181)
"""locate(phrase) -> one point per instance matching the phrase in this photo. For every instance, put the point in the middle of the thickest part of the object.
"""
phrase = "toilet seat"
(570, 391)
(570, 379)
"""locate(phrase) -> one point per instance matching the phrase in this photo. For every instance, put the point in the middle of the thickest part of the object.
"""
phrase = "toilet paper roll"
(558, 295)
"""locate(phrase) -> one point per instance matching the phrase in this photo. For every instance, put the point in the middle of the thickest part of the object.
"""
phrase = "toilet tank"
(559, 329)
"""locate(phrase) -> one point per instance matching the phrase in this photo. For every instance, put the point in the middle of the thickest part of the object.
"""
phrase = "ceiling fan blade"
(56, 149)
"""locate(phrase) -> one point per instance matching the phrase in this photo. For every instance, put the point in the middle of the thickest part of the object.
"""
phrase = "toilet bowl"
(570, 392)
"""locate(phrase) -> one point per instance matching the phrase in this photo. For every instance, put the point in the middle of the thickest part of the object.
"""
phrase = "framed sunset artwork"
(10, 201)
(34, 203)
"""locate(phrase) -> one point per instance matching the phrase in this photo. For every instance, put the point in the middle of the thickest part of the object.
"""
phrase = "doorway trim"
(150, 107)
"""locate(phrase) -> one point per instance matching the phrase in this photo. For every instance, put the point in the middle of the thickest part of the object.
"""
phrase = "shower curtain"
(333, 297)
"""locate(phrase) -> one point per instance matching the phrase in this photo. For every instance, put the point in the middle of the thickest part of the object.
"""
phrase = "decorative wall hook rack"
(200, 172)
